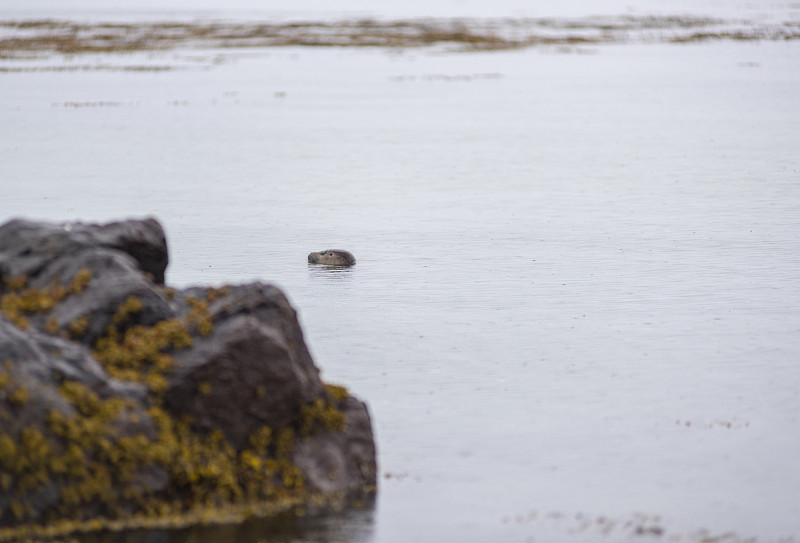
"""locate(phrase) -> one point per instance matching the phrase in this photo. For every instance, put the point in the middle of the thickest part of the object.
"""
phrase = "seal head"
(332, 257)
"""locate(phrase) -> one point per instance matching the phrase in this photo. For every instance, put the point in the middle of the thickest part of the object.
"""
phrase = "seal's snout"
(332, 257)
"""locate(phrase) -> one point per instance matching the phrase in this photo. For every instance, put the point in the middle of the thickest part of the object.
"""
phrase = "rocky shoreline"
(125, 403)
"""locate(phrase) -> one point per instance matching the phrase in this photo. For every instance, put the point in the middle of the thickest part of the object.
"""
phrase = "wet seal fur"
(332, 257)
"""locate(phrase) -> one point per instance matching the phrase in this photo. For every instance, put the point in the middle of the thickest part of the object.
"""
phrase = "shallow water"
(576, 307)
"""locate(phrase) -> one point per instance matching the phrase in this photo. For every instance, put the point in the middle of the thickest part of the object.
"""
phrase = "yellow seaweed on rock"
(319, 414)
(51, 326)
(20, 396)
(78, 327)
(130, 306)
(139, 354)
(199, 316)
(11, 391)
(80, 281)
(98, 454)
(87, 457)
(336, 394)
(17, 301)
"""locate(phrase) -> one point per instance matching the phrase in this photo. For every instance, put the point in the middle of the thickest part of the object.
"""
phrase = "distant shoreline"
(24, 38)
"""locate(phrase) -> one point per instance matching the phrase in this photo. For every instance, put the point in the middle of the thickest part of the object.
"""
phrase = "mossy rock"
(124, 402)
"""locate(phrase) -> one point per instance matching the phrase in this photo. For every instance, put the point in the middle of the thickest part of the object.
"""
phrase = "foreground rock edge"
(110, 376)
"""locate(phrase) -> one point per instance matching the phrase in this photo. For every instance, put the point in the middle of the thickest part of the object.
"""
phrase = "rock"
(251, 376)
(45, 253)
(34, 366)
(26, 247)
(122, 398)
(336, 460)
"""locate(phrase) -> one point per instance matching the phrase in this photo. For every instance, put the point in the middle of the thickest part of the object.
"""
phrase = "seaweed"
(116, 463)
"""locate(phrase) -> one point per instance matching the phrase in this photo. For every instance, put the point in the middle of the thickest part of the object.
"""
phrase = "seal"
(332, 257)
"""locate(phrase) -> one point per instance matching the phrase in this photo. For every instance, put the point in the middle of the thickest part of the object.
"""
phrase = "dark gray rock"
(27, 247)
(121, 257)
(340, 462)
(39, 363)
(255, 364)
(115, 278)
(244, 366)
(43, 361)
(250, 376)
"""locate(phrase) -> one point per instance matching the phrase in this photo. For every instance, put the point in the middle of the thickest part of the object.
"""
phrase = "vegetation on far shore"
(24, 37)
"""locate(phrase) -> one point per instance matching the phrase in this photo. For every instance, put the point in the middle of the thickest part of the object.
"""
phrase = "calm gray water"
(576, 308)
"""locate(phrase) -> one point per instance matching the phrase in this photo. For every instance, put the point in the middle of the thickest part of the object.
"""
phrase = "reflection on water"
(353, 526)
(330, 274)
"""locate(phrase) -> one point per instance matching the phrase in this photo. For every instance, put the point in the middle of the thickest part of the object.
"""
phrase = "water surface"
(576, 308)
